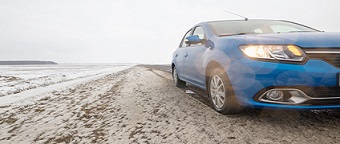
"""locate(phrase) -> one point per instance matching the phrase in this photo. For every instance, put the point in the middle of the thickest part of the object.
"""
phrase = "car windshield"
(227, 28)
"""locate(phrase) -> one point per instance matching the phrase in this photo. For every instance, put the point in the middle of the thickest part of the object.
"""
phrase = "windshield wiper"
(231, 34)
(299, 31)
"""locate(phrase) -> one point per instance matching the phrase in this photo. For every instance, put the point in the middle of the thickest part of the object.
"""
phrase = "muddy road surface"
(141, 105)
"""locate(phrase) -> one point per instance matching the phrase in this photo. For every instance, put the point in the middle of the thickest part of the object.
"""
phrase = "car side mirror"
(194, 39)
(209, 44)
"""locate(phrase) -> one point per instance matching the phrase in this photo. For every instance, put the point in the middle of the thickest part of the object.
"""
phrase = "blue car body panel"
(304, 39)
(249, 76)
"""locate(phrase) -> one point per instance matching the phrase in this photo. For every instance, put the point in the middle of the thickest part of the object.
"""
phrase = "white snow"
(22, 82)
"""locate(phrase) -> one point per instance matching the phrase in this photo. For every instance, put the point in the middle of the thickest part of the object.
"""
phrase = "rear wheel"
(178, 83)
(221, 93)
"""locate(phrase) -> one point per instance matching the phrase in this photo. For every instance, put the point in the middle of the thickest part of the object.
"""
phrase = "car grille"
(332, 56)
(322, 92)
(318, 95)
(331, 93)
(322, 102)
(317, 92)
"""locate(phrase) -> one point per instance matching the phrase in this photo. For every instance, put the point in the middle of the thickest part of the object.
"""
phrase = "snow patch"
(30, 81)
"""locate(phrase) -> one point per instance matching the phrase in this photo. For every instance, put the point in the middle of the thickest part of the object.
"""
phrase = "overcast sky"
(132, 31)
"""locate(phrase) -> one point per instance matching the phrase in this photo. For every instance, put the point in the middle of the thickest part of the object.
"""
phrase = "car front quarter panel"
(249, 76)
(226, 50)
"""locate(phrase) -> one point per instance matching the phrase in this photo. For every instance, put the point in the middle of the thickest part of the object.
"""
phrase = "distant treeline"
(27, 63)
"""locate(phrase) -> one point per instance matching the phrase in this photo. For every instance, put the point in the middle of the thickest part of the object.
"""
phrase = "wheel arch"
(172, 67)
(211, 70)
(208, 70)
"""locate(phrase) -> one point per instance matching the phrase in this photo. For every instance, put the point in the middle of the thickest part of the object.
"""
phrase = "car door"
(179, 57)
(194, 59)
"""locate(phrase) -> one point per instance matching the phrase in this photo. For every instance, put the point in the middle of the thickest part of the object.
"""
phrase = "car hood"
(302, 39)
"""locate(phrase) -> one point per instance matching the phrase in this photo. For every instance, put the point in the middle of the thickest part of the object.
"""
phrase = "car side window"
(200, 32)
(183, 44)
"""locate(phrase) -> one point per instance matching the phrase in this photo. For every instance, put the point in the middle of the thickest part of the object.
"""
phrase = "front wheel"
(221, 93)
(178, 83)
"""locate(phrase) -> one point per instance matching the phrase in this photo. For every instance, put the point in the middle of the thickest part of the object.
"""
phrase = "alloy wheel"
(217, 91)
(174, 76)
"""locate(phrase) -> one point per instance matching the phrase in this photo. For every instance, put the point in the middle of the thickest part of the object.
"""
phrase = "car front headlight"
(274, 52)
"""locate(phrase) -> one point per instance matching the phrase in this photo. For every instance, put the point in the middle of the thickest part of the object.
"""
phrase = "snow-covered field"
(142, 105)
(17, 79)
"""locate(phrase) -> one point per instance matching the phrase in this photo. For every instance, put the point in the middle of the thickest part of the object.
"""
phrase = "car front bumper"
(316, 81)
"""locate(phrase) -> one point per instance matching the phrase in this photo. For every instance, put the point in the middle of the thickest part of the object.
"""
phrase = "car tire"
(221, 93)
(178, 82)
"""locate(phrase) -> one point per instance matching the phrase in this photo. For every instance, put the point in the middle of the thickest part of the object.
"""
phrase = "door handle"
(186, 54)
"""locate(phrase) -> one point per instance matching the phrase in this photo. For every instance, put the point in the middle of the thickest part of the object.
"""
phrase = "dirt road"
(141, 105)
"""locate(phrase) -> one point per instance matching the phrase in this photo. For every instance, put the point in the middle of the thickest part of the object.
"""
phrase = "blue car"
(260, 63)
